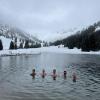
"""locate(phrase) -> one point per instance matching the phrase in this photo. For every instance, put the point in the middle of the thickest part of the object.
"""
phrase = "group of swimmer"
(54, 74)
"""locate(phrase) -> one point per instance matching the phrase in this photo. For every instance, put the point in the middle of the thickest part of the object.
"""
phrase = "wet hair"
(65, 72)
(33, 70)
(43, 70)
(33, 73)
(54, 70)
(74, 77)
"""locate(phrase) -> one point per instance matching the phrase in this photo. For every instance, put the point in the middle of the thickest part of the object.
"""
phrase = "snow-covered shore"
(55, 49)
(52, 49)
(19, 52)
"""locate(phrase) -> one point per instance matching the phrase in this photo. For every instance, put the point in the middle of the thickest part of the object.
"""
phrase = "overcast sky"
(43, 17)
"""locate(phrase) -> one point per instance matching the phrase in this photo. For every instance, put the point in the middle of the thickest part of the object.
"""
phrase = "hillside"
(11, 32)
(87, 39)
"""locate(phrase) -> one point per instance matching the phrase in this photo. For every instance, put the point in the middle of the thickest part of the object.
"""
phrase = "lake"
(17, 84)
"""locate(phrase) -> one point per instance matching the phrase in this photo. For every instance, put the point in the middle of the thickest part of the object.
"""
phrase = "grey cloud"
(49, 16)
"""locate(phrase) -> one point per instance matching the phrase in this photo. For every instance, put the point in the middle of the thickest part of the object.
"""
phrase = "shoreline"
(52, 49)
(17, 55)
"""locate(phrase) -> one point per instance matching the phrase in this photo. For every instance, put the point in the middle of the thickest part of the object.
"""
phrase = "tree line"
(87, 40)
(27, 44)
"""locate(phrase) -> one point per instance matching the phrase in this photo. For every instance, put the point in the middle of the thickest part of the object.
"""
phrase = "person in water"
(43, 73)
(33, 73)
(74, 77)
(54, 75)
(65, 74)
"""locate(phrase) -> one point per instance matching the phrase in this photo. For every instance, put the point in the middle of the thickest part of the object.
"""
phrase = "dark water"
(17, 84)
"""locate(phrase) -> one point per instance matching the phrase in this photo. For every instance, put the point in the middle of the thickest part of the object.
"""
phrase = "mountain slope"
(87, 39)
(11, 32)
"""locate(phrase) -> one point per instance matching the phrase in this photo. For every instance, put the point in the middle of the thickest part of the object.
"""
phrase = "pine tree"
(32, 45)
(11, 45)
(16, 40)
(21, 45)
(15, 46)
(1, 46)
(26, 44)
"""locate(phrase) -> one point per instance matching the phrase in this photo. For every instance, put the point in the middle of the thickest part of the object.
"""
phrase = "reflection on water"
(17, 84)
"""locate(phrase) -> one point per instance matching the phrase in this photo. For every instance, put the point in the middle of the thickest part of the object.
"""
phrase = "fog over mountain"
(44, 18)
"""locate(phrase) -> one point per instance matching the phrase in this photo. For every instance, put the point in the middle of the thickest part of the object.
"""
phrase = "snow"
(97, 29)
(18, 52)
(65, 50)
(52, 49)
(5, 42)
(58, 35)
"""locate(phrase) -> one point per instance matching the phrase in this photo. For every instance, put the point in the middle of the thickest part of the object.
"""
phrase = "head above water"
(33, 70)
(43, 71)
(74, 74)
(65, 72)
(54, 71)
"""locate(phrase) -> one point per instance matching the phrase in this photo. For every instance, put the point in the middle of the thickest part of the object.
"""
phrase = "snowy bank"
(55, 49)
(51, 49)
(18, 52)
